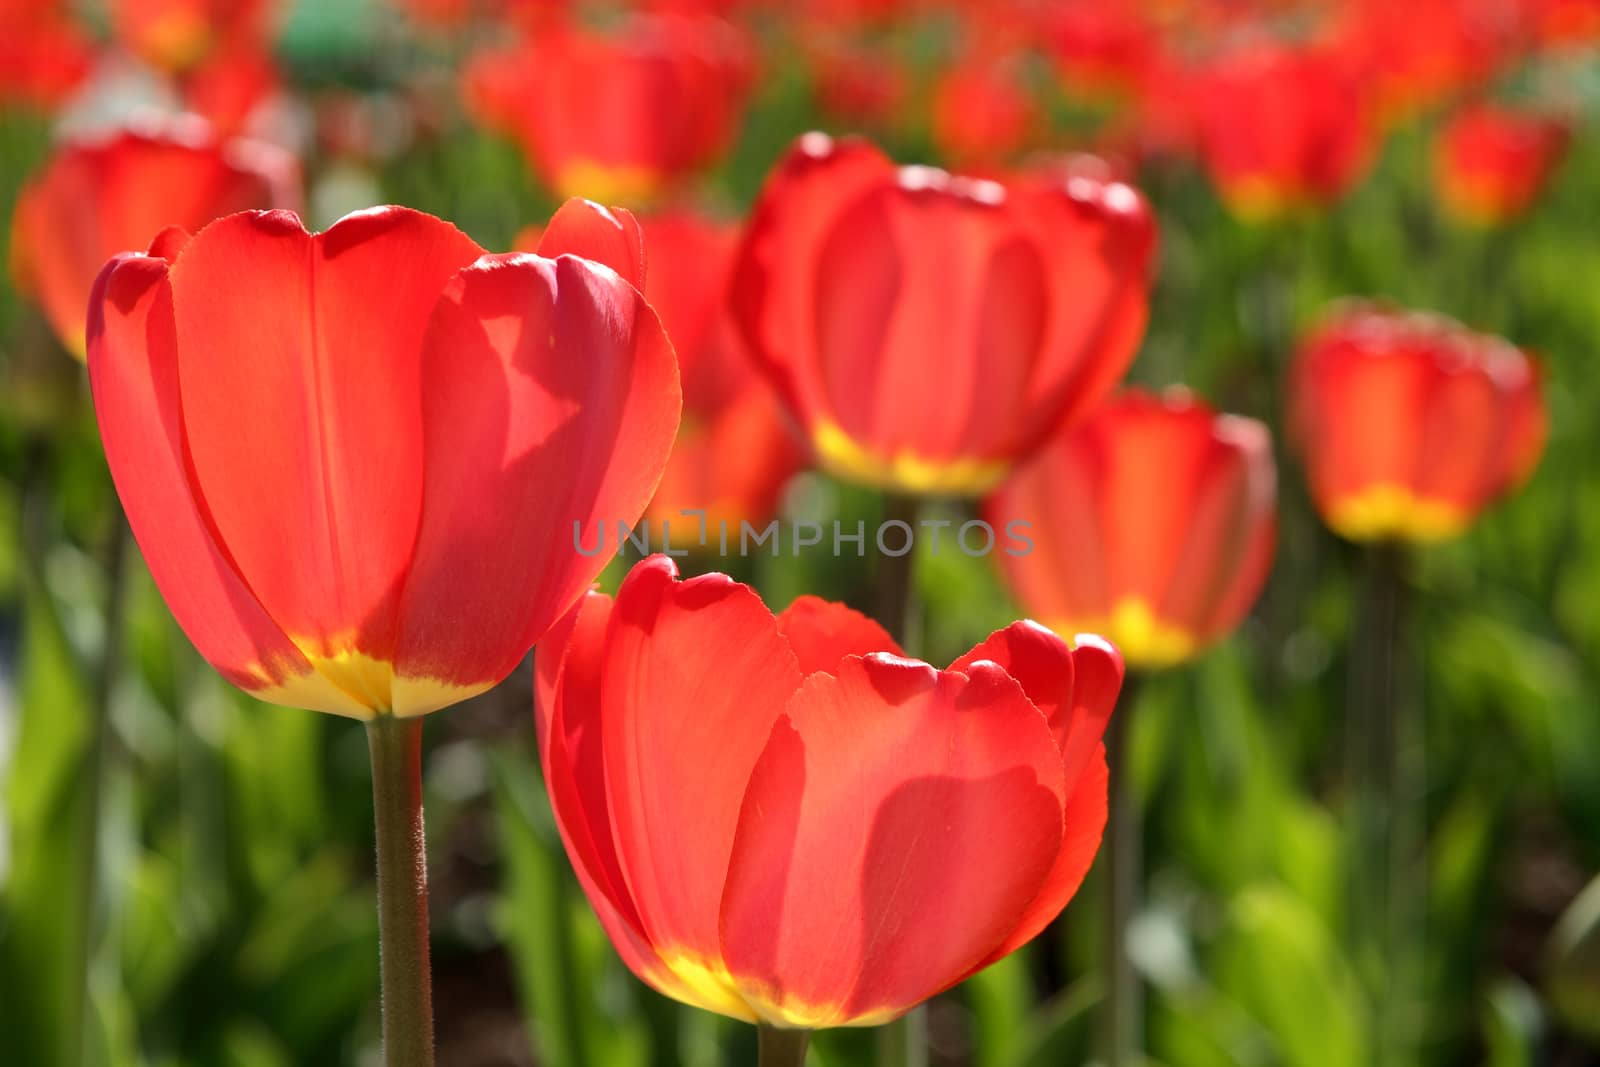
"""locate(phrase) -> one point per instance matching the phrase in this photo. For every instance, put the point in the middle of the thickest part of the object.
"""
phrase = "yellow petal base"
(1393, 512)
(711, 986)
(359, 686)
(904, 472)
(624, 186)
(1143, 639)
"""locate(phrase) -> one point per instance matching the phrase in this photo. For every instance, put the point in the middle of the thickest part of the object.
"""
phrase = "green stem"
(895, 605)
(1124, 1007)
(782, 1048)
(1380, 751)
(395, 745)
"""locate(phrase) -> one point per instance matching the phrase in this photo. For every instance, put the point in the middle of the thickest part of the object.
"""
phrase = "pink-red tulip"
(928, 330)
(1410, 424)
(1152, 522)
(786, 821)
(43, 54)
(95, 198)
(354, 459)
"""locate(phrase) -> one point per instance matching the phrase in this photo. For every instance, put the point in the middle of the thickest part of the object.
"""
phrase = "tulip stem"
(1123, 1012)
(1382, 750)
(895, 579)
(781, 1048)
(395, 745)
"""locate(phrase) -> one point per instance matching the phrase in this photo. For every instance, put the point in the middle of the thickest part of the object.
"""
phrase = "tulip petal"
(550, 400)
(823, 632)
(1040, 661)
(695, 675)
(299, 370)
(568, 669)
(599, 234)
(133, 371)
(897, 823)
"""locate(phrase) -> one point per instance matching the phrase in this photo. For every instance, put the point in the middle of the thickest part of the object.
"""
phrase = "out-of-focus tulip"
(617, 116)
(855, 83)
(734, 453)
(1152, 522)
(1410, 424)
(1490, 163)
(1416, 54)
(175, 35)
(354, 459)
(982, 112)
(928, 330)
(785, 821)
(1281, 128)
(43, 55)
(97, 197)
(1102, 49)
(230, 88)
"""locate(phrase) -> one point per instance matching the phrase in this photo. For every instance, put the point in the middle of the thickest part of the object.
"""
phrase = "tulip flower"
(784, 820)
(1490, 163)
(43, 54)
(1152, 522)
(1410, 424)
(982, 112)
(1282, 129)
(97, 197)
(354, 459)
(617, 116)
(734, 453)
(928, 330)
(175, 35)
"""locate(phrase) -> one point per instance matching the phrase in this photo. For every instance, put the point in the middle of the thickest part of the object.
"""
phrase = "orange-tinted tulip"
(1410, 424)
(617, 116)
(928, 330)
(354, 459)
(1152, 522)
(1490, 163)
(95, 198)
(1282, 129)
(177, 34)
(43, 55)
(734, 454)
(784, 820)
(982, 112)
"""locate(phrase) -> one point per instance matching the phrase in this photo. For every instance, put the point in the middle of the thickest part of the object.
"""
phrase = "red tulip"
(96, 198)
(786, 821)
(1282, 129)
(928, 330)
(1410, 424)
(856, 83)
(177, 34)
(617, 116)
(1152, 522)
(354, 459)
(734, 453)
(982, 112)
(1490, 163)
(43, 55)
(230, 88)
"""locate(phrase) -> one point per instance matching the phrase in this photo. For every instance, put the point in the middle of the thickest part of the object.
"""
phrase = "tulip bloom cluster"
(784, 820)
(1154, 523)
(388, 531)
(1410, 424)
(928, 330)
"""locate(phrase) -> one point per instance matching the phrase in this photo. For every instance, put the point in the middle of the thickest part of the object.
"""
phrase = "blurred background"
(186, 875)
